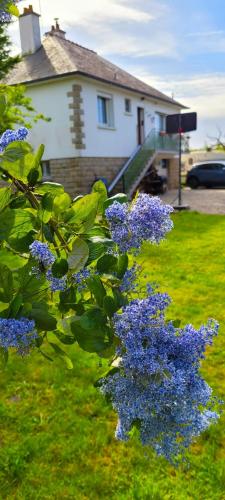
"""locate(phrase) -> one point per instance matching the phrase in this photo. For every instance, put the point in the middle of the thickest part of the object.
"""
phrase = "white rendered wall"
(51, 99)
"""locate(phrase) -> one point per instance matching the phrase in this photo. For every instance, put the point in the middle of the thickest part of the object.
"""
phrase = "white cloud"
(83, 13)
(201, 93)
(116, 27)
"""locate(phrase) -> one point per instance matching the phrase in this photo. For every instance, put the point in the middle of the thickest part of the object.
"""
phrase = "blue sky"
(176, 46)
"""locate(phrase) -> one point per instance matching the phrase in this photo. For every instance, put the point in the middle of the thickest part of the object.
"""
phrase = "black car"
(208, 174)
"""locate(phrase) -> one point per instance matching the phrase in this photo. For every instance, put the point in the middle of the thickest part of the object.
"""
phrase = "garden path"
(209, 201)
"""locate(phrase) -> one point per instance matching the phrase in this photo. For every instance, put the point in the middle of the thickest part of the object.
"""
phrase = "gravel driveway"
(208, 201)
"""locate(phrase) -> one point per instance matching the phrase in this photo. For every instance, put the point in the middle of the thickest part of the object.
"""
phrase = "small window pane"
(102, 110)
(127, 105)
(105, 111)
(46, 171)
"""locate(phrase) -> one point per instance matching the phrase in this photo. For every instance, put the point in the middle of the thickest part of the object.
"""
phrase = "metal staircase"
(142, 158)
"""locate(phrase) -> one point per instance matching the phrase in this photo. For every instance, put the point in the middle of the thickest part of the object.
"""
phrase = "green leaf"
(120, 197)
(33, 176)
(50, 187)
(15, 223)
(104, 241)
(122, 265)
(65, 339)
(83, 212)
(43, 319)
(13, 10)
(110, 306)
(93, 319)
(107, 264)
(38, 155)
(11, 260)
(61, 204)
(97, 289)
(3, 104)
(176, 323)
(79, 255)
(18, 160)
(119, 298)
(100, 188)
(91, 340)
(60, 268)
(15, 305)
(61, 354)
(5, 195)
(18, 201)
(6, 284)
(67, 300)
(32, 289)
(95, 251)
(46, 207)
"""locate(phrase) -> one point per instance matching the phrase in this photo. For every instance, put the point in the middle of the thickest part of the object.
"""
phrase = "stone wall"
(78, 174)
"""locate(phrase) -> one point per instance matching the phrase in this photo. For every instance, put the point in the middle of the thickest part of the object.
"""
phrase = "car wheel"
(193, 182)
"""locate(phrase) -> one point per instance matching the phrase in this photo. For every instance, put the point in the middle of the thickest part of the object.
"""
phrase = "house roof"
(60, 57)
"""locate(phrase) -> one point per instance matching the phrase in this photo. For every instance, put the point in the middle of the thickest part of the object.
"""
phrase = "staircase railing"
(141, 156)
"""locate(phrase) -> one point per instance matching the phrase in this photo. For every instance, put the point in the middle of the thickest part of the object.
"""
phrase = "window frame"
(109, 111)
(46, 170)
(128, 100)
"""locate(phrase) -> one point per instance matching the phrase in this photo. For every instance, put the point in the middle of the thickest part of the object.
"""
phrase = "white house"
(105, 123)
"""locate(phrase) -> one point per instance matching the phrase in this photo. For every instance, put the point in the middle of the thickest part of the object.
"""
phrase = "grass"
(57, 432)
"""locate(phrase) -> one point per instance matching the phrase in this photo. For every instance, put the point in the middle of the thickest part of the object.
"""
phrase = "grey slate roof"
(59, 57)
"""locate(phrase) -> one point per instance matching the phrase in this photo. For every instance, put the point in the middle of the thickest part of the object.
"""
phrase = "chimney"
(30, 34)
(56, 30)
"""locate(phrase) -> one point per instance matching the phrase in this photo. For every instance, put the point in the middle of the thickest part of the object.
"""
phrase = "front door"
(140, 125)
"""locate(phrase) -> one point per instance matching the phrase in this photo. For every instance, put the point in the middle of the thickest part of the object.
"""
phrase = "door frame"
(140, 125)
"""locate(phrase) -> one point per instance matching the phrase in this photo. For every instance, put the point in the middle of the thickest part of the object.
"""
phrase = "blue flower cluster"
(19, 333)
(80, 279)
(56, 284)
(11, 136)
(5, 17)
(41, 253)
(129, 279)
(158, 387)
(145, 219)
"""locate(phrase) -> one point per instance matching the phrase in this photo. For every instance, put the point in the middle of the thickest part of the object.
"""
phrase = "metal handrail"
(141, 156)
(123, 169)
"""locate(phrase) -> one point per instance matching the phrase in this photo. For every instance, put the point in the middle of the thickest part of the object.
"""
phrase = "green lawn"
(57, 432)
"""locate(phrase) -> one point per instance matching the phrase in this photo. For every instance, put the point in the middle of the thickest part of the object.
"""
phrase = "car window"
(207, 166)
(211, 166)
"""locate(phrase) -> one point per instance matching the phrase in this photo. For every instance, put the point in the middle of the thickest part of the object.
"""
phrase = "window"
(105, 111)
(211, 166)
(46, 171)
(127, 105)
(160, 122)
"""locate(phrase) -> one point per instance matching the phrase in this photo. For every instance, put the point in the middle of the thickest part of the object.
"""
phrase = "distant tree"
(18, 108)
(218, 141)
(7, 61)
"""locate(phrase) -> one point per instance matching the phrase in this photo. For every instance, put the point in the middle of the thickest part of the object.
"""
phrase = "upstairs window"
(127, 105)
(105, 111)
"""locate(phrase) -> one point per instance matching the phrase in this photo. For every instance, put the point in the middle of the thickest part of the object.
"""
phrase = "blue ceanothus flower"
(80, 278)
(18, 333)
(56, 284)
(145, 219)
(11, 136)
(41, 253)
(5, 16)
(158, 387)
